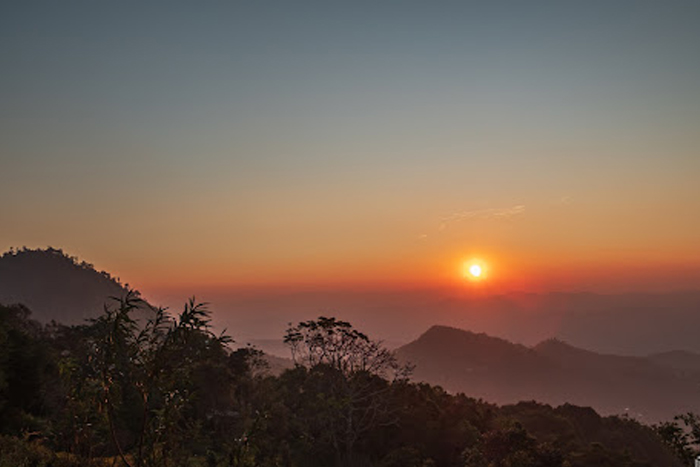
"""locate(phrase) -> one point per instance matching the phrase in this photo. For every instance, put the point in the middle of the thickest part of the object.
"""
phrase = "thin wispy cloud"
(564, 200)
(490, 213)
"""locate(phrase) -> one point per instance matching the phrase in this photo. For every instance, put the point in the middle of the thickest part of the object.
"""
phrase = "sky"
(195, 145)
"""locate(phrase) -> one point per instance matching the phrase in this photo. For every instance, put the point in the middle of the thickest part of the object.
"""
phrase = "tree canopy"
(160, 389)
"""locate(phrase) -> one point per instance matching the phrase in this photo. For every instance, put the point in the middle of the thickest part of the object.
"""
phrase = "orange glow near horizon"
(475, 270)
(446, 265)
(499, 273)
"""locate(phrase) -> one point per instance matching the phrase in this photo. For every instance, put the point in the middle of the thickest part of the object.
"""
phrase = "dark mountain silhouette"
(55, 286)
(553, 372)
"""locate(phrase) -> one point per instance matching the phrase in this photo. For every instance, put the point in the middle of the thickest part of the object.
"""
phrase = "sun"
(475, 270)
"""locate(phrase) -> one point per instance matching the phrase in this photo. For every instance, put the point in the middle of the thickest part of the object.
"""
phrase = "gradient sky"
(191, 144)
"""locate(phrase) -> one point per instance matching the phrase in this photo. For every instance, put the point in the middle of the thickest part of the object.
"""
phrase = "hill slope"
(552, 372)
(55, 286)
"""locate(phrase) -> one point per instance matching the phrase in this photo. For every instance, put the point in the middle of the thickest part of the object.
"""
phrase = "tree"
(682, 435)
(25, 363)
(149, 377)
(336, 344)
(510, 447)
(344, 371)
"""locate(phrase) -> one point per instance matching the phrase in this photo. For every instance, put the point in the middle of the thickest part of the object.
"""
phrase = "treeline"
(167, 391)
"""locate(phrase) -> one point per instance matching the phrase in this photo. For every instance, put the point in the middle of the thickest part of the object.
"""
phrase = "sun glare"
(474, 270)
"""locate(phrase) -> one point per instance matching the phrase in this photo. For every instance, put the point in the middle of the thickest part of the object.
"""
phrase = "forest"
(138, 386)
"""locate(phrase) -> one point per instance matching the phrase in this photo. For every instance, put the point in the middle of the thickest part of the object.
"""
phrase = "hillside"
(54, 285)
(552, 372)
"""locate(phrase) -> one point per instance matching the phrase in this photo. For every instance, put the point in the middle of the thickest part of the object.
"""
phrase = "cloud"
(491, 213)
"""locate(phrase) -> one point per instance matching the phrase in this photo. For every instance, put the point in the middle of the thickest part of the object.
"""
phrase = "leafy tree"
(682, 435)
(149, 377)
(336, 344)
(512, 447)
(438, 424)
(25, 362)
(598, 455)
(342, 369)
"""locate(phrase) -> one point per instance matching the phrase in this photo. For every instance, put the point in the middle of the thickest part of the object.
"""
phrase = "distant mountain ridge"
(554, 372)
(638, 323)
(55, 286)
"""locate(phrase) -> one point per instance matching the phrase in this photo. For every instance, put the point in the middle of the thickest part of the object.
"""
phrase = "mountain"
(552, 372)
(55, 286)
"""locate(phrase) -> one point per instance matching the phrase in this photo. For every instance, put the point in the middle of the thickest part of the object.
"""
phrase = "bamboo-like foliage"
(153, 366)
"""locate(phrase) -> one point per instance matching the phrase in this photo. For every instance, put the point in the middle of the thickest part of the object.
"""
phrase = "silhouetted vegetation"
(682, 435)
(168, 392)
